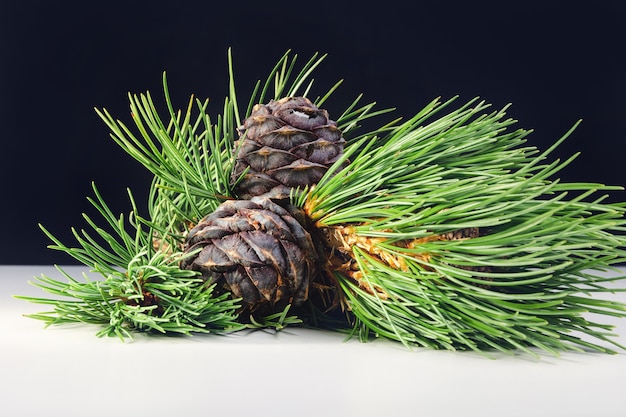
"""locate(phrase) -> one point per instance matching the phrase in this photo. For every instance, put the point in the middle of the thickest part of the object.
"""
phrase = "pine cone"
(285, 144)
(255, 249)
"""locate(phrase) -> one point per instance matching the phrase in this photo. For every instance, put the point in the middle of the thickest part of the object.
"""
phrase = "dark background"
(555, 61)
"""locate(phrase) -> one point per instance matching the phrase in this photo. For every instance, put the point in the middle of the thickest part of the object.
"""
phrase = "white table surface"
(67, 371)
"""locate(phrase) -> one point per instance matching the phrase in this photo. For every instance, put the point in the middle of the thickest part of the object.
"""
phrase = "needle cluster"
(467, 238)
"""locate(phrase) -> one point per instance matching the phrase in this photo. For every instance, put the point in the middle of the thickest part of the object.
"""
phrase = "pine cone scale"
(321, 151)
(299, 173)
(214, 259)
(261, 125)
(266, 281)
(261, 184)
(236, 248)
(239, 283)
(269, 222)
(266, 247)
(267, 159)
(297, 271)
(329, 132)
(286, 138)
(303, 117)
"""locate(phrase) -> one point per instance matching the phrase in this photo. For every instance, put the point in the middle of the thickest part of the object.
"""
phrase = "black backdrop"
(555, 61)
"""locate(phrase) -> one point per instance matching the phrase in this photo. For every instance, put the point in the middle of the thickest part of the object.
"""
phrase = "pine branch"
(443, 231)
(142, 289)
(517, 282)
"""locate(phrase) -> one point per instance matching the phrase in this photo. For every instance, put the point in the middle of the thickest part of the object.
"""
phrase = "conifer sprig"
(142, 288)
(446, 230)
(520, 280)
